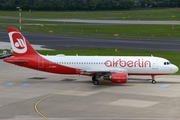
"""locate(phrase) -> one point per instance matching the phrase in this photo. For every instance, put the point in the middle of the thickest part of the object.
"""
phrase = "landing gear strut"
(95, 81)
(153, 79)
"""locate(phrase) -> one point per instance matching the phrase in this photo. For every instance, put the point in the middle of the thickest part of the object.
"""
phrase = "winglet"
(19, 44)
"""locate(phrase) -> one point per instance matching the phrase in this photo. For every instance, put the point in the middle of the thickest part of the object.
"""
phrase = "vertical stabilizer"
(19, 44)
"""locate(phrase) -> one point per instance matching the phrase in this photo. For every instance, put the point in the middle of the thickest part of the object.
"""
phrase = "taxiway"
(29, 95)
(59, 42)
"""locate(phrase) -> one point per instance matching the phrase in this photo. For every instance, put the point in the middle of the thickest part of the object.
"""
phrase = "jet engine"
(117, 77)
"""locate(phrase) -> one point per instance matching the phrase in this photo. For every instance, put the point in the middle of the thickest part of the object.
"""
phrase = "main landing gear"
(95, 81)
(153, 79)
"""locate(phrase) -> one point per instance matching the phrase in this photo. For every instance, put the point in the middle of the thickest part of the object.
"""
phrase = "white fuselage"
(129, 64)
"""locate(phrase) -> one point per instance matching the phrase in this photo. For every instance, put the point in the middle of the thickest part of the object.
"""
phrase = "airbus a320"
(113, 68)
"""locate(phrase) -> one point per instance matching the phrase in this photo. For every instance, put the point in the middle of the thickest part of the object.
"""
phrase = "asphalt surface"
(134, 22)
(59, 42)
(124, 22)
(26, 94)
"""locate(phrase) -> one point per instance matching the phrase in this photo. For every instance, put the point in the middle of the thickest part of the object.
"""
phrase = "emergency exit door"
(40, 63)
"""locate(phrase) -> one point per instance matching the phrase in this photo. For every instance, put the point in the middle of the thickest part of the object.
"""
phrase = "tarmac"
(27, 94)
(70, 42)
(101, 22)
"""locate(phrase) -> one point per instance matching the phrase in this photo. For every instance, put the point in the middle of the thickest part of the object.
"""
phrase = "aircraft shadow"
(104, 82)
(141, 80)
(38, 78)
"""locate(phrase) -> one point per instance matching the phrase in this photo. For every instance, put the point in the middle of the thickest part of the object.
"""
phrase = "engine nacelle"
(117, 77)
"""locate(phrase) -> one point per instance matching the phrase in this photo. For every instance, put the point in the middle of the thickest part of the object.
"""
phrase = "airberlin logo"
(18, 42)
(127, 63)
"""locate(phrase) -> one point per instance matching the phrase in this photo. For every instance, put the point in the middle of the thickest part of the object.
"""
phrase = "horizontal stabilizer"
(17, 61)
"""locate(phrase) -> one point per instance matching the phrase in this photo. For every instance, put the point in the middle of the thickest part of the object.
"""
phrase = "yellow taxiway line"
(44, 98)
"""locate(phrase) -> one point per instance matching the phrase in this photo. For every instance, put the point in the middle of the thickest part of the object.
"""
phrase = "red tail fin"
(19, 44)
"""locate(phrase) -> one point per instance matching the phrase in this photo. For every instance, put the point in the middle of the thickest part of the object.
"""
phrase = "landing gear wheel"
(95, 82)
(153, 82)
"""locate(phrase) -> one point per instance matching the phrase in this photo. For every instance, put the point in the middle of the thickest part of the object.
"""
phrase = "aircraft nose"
(175, 68)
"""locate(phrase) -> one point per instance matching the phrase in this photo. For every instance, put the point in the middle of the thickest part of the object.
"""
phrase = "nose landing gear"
(153, 79)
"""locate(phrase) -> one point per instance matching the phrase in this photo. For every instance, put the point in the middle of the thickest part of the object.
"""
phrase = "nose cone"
(175, 69)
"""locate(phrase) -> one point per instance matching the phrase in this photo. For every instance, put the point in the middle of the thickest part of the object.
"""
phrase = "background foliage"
(65, 5)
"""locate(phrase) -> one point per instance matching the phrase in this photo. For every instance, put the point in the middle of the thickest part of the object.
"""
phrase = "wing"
(107, 70)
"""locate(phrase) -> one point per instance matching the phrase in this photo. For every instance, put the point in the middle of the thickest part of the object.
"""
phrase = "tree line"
(71, 5)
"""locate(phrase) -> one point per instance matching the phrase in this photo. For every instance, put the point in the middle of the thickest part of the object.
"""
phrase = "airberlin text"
(127, 63)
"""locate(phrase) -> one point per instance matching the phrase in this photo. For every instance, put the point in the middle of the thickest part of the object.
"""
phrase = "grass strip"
(148, 14)
(167, 32)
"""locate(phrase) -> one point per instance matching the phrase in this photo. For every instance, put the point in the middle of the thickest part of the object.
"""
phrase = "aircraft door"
(155, 63)
(40, 63)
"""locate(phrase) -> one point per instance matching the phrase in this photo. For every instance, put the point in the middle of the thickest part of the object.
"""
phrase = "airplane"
(113, 68)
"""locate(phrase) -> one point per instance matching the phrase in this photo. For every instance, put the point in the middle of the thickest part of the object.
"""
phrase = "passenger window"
(164, 63)
(167, 63)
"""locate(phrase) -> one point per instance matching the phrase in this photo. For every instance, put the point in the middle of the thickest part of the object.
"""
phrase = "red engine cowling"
(117, 77)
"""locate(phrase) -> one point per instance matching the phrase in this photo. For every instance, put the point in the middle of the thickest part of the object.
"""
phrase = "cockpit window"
(167, 63)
